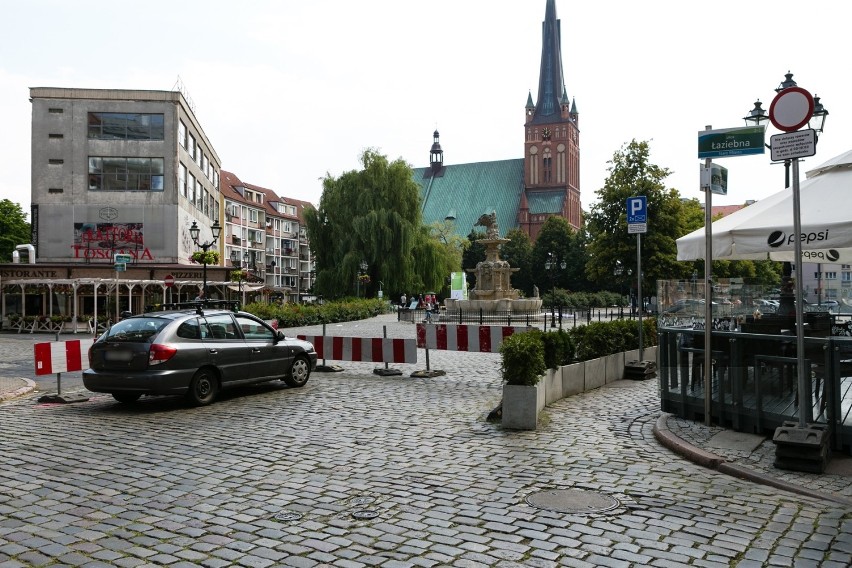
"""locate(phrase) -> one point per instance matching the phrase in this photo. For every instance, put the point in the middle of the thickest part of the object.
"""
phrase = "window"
(190, 148)
(253, 215)
(182, 179)
(54, 136)
(55, 110)
(55, 162)
(125, 126)
(830, 276)
(125, 174)
(287, 227)
(182, 134)
(55, 190)
(191, 189)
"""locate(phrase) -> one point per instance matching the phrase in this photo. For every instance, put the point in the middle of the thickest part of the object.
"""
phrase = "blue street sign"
(637, 210)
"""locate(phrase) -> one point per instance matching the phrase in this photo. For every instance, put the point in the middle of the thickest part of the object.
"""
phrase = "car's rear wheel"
(299, 372)
(203, 388)
(126, 397)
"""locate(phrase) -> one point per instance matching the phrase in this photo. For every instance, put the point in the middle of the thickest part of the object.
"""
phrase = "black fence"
(562, 317)
(754, 380)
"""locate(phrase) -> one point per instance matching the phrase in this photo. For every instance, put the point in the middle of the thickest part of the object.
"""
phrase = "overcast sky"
(288, 91)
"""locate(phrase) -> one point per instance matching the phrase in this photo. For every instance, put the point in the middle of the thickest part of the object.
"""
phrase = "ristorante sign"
(103, 240)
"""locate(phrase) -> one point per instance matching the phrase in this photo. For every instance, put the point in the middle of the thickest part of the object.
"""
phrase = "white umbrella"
(765, 229)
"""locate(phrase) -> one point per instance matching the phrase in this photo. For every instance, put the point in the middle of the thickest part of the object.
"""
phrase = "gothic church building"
(522, 192)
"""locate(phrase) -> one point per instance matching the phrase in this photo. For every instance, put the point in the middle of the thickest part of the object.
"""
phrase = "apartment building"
(128, 173)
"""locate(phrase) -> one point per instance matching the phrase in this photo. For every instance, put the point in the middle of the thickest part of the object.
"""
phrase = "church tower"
(552, 141)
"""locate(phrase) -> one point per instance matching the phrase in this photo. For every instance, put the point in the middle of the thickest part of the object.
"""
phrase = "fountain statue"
(493, 291)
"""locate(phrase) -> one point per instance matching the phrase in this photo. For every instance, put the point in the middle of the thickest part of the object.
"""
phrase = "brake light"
(160, 353)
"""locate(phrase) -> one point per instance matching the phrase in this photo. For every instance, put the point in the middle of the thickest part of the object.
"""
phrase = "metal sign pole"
(805, 409)
(640, 302)
(708, 297)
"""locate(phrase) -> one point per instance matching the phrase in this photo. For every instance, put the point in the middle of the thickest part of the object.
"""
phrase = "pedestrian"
(402, 300)
(200, 296)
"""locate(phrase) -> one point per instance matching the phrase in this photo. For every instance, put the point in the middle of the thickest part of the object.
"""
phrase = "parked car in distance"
(195, 353)
(765, 305)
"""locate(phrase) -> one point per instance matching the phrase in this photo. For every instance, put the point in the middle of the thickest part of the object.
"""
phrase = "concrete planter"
(552, 385)
(573, 379)
(521, 405)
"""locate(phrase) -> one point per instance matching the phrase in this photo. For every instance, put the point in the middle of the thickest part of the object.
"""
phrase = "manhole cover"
(288, 516)
(572, 501)
(365, 514)
(363, 500)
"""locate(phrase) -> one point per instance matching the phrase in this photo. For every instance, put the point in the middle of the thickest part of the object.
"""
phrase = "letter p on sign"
(637, 209)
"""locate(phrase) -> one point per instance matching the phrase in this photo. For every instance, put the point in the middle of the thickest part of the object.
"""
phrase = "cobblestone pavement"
(355, 470)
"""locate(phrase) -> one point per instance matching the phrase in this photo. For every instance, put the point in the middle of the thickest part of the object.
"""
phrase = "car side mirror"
(279, 336)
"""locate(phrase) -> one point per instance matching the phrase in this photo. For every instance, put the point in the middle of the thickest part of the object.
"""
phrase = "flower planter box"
(521, 405)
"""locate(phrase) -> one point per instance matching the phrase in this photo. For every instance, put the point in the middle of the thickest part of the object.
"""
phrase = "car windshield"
(136, 329)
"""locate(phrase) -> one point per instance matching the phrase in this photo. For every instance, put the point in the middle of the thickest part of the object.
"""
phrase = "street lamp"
(362, 270)
(551, 265)
(195, 232)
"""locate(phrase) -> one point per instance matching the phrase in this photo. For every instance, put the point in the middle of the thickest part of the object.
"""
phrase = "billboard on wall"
(103, 240)
(458, 286)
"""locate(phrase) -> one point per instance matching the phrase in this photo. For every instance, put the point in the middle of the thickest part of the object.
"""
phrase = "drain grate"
(575, 501)
(288, 516)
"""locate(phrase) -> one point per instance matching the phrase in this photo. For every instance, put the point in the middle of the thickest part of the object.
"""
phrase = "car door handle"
(255, 350)
(214, 351)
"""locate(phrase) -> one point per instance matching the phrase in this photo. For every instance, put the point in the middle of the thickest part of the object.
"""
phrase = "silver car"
(195, 353)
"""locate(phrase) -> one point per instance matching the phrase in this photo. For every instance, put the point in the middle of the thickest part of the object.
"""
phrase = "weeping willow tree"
(372, 218)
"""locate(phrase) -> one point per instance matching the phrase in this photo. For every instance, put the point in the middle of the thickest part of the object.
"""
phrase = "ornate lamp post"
(195, 232)
(551, 265)
(791, 300)
(362, 270)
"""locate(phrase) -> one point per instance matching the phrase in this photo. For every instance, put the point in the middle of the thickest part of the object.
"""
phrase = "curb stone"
(718, 463)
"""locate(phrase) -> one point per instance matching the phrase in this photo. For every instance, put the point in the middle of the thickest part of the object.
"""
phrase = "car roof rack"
(200, 305)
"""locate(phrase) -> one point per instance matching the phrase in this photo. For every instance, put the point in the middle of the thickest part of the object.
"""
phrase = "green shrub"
(522, 358)
(301, 315)
(558, 348)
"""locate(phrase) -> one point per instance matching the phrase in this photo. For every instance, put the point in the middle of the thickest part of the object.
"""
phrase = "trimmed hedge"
(523, 358)
(300, 315)
(535, 351)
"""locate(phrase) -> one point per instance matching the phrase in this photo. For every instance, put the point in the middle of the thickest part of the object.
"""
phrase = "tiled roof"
(466, 191)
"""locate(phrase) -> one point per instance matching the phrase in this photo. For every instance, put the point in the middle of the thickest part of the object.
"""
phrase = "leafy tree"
(473, 255)
(373, 216)
(518, 253)
(669, 218)
(14, 229)
(552, 262)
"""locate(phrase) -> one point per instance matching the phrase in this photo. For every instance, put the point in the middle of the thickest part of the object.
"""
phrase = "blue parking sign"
(637, 209)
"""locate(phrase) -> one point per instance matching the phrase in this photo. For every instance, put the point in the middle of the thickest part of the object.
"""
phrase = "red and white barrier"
(366, 349)
(61, 356)
(474, 338)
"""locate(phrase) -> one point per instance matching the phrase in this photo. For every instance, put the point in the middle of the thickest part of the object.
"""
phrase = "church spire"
(550, 82)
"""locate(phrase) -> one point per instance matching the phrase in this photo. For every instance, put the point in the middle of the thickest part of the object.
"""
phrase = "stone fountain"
(493, 291)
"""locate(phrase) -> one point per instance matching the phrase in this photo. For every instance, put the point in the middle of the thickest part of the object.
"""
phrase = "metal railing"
(753, 380)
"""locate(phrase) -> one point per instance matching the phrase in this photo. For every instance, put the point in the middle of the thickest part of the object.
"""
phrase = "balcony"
(235, 240)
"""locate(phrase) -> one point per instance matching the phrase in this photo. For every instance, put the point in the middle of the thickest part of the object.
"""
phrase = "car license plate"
(118, 356)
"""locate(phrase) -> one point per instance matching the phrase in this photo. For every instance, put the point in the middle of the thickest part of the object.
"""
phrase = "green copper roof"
(466, 191)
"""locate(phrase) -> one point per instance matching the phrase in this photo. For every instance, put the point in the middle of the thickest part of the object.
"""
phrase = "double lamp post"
(195, 233)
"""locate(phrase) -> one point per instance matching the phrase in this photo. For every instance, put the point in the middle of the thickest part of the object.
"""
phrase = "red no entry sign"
(791, 109)
(169, 281)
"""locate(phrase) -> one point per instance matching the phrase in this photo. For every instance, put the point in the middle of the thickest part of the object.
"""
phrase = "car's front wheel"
(299, 372)
(203, 388)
